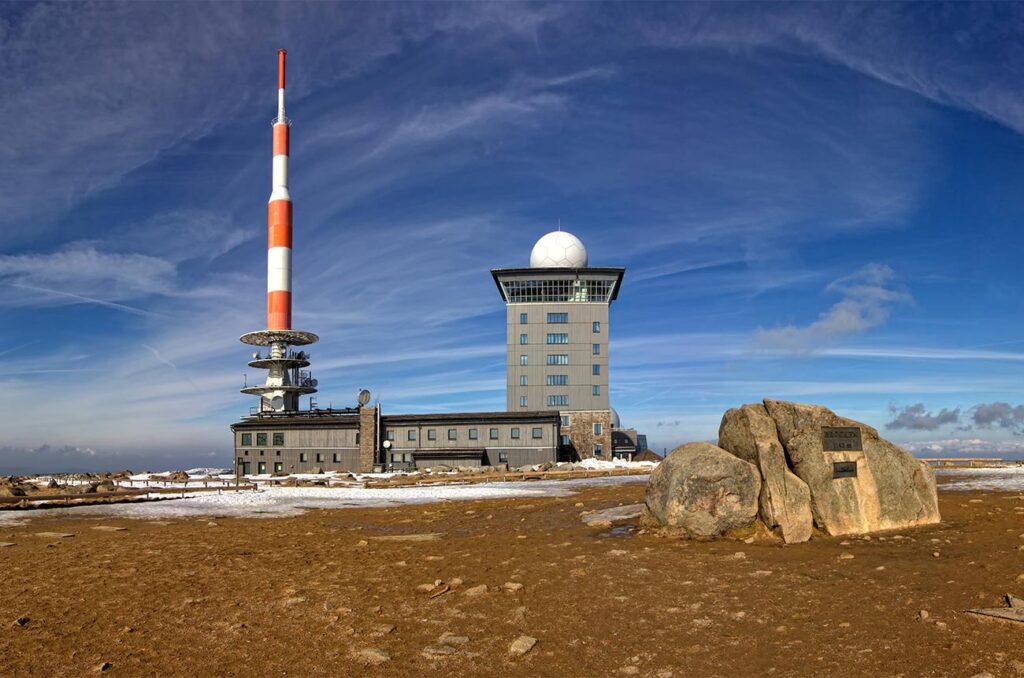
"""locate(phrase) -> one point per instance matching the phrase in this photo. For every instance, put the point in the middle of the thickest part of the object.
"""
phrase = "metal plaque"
(841, 439)
(844, 469)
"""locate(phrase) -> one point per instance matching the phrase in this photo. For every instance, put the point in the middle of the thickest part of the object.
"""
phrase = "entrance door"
(278, 467)
(246, 468)
(262, 466)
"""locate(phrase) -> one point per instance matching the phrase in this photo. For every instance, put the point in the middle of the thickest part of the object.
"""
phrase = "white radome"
(616, 422)
(558, 249)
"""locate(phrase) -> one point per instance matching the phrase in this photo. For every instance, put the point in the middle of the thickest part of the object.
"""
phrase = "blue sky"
(817, 202)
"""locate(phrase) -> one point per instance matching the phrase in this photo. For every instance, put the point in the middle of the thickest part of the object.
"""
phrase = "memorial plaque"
(841, 439)
(844, 469)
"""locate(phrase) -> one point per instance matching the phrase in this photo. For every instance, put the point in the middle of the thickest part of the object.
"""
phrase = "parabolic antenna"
(364, 397)
(276, 403)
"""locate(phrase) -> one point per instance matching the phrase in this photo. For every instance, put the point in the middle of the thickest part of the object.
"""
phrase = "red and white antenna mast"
(279, 221)
(286, 380)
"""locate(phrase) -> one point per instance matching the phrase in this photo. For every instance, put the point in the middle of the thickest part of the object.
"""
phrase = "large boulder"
(702, 490)
(785, 501)
(889, 489)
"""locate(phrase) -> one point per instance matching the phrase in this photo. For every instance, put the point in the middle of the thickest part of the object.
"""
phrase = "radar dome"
(558, 249)
(616, 422)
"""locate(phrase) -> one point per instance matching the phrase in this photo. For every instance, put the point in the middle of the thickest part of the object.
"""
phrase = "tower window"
(558, 318)
(452, 434)
(431, 434)
(558, 359)
(523, 318)
(261, 438)
(595, 390)
(524, 360)
(538, 433)
(558, 338)
(279, 439)
(412, 434)
(472, 434)
(246, 439)
(337, 458)
(565, 420)
(558, 379)
(596, 370)
(524, 339)
(564, 440)
(597, 428)
(558, 400)
(302, 456)
(493, 434)
(523, 401)
(596, 327)
(391, 436)
(597, 349)
(515, 434)
(522, 380)
(597, 450)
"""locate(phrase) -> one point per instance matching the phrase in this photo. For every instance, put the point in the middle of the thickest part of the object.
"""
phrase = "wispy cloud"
(867, 299)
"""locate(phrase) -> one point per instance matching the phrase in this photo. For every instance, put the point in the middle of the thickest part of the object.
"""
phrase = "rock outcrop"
(784, 503)
(888, 489)
(703, 490)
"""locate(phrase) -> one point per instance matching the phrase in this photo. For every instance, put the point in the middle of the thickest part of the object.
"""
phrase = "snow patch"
(998, 479)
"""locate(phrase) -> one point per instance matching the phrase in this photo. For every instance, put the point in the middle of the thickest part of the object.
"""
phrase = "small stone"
(923, 615)
(846, 556)
(288, 602)
(879, 568)
(630, 670)
(739, 555)
(844, 625)
(512, 586)
(1020, 577)
(781, 629)
(438, 650)
(579, 504)
(942, 626)
(455, 583)
(425, 588)
(22, 621)
(476, 590)
(54, 535)
(371, 656)
(109, 528)
(382, 630)
(362, 542)
(105, 666)
(617, 552)
(5, 544)
(521, 646)
(448, 638)
(935, 554)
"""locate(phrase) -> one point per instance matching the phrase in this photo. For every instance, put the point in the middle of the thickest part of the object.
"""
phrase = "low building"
(361, 439)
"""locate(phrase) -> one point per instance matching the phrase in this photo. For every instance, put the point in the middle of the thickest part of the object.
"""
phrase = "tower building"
(557, 337)
(287, 379)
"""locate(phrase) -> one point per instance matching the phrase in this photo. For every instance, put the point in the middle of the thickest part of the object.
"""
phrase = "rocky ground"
(506, 587)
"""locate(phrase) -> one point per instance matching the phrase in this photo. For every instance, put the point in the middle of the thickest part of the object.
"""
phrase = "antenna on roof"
(559, 225)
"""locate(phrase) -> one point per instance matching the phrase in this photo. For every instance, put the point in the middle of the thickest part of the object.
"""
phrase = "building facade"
(360, 440)
(557, 331)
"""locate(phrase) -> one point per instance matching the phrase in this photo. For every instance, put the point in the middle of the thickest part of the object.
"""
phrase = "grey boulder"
(784, 503)
(703, 490)
(891, 489)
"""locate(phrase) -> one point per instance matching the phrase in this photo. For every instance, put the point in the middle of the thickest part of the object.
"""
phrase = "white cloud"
(868, 297)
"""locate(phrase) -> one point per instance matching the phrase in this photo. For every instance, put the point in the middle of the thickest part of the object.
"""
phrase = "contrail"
(88, 300)
(165, 361)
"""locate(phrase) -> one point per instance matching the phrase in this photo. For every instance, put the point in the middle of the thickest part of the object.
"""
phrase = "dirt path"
(297, 596)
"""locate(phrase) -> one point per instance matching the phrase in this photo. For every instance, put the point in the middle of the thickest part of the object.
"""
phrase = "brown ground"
(295, 596)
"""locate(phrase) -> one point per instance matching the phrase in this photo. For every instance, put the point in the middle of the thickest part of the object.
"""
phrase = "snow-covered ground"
(1004, 479)
(272, 502)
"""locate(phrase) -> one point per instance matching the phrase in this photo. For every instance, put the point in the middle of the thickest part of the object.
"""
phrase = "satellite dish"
(313, 382)
(364, 397)
(277, 403)
(387, 444)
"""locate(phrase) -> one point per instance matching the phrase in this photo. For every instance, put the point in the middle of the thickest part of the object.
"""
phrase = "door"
(246, 468)
(278, 467)
(262, 466)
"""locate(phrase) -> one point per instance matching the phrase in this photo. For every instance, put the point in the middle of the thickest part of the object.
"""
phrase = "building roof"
(536, 416)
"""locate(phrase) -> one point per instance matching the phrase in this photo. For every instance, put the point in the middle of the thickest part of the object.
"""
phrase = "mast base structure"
(287, 379)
